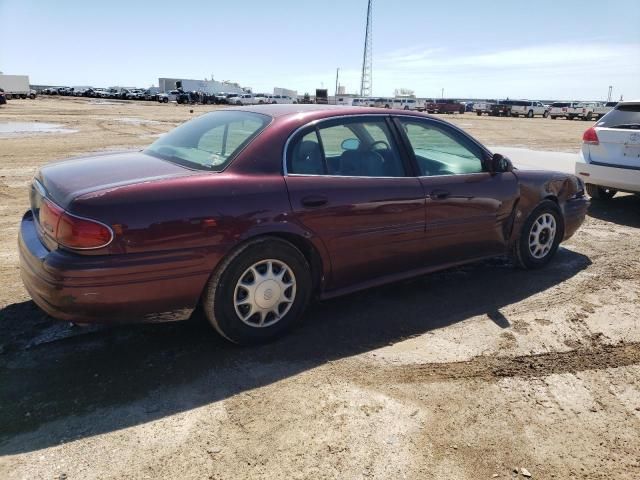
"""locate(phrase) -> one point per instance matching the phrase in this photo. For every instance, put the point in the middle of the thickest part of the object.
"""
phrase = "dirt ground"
(476, 372)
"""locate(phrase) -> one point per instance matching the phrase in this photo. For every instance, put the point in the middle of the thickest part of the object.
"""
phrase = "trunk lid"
(617, 147)
(67, 180)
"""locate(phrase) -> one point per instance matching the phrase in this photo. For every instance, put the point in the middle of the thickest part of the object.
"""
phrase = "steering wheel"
(384, 144)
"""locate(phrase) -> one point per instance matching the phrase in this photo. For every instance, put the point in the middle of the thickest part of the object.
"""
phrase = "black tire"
(545, 114)
(218, 297)
(530, 114)
(600, 193)
(522, 251)
(165, 100)
(479, 114)
(553, 117)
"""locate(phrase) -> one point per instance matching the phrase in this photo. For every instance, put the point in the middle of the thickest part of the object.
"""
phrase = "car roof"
(313, 111)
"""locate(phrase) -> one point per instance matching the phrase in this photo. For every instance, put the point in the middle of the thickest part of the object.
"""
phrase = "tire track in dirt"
(490, 368)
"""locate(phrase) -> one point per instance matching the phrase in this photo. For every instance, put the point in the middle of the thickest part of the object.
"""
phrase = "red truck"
(444, 105)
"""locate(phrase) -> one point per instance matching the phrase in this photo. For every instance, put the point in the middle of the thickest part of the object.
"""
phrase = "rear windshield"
(211, 141)
(623, 116)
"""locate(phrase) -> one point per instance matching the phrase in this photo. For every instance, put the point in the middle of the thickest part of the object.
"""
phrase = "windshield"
(623, 116)
(211, 141)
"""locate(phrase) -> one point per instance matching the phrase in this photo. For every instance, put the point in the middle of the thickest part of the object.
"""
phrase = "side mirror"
(499, 163)
(350, 144)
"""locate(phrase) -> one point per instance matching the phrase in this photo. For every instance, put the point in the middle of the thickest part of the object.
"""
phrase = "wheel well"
(307, 249)
(553, 198)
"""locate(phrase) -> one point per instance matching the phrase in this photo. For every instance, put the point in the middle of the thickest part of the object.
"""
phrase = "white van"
(406, 104)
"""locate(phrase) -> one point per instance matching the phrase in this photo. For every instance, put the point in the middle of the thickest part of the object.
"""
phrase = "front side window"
(439, 152)
(211, 141)
(351, 148)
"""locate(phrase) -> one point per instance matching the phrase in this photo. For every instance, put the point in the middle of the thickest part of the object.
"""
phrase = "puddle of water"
(135, 120)
(18, 129)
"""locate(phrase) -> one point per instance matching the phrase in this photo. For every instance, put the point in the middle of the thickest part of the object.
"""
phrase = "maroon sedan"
(251, 212)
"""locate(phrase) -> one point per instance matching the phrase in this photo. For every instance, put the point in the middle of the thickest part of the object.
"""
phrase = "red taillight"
(70, 231)
(49, 217)
(590, 137)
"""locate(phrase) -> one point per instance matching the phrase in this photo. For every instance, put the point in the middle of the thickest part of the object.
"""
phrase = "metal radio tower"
(367, 58)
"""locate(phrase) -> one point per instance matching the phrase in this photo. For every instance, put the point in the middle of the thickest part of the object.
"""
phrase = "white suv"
(243, 99)
(610, 157)
(527, 108)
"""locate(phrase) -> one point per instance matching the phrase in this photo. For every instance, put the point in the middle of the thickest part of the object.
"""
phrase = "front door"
(468, 209)
(349, 185)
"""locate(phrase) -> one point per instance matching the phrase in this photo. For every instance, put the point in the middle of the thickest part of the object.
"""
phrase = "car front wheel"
(258, 292)
(540, 236)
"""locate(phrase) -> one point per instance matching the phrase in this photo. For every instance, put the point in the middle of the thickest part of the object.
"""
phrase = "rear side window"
(623, 116)
(211, 141)
(349, 148)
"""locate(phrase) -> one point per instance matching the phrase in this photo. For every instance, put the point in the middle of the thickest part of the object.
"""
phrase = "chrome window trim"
(383, 115)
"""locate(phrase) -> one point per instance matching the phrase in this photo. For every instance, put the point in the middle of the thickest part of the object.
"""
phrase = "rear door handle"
(439, 195)
(314, 201)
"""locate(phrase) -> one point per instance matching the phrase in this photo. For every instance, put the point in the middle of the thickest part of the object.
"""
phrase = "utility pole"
(367, 57)
(335, 95)
(610, 93)
(442, 93)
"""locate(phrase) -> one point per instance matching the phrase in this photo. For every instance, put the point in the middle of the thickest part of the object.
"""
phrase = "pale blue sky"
(498, 48)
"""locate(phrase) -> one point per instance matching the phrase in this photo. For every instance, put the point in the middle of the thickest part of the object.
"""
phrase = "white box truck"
(16, 86)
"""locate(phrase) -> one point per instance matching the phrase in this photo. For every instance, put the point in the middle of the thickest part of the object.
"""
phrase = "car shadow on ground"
(621, 209)
(61, 383)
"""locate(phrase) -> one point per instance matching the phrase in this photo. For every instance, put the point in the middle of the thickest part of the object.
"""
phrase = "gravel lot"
(476, 372)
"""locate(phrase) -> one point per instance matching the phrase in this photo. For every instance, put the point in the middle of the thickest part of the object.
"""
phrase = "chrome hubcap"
(542, 235)
(264, 293)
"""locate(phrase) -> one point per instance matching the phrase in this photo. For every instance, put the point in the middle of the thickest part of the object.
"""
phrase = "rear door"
(468, 209)
(349, 186)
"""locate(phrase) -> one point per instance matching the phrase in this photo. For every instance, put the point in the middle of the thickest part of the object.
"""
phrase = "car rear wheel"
(540, 236)
(530, 114)
(258, 292)
(545, 114)
(165, 100)
(600, 193)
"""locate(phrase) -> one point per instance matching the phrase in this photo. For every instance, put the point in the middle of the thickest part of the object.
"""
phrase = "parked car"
(261, 98)
(601, 109)
(445, 105)
(528, 108)
(582, 110)
(563, 109)
(284, 99)
(243, 99)
(3, 98)
(171, 96)
(406, 104)
(150, 95)
(492, 107)
(610, 156)
(100, 93)
(250, 213)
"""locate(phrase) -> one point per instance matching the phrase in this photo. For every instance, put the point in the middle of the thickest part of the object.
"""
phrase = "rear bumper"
(625, 179)
(163, 286)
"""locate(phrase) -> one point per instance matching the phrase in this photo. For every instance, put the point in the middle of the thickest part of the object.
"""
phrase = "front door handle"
(439, 195)
(314, 201)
